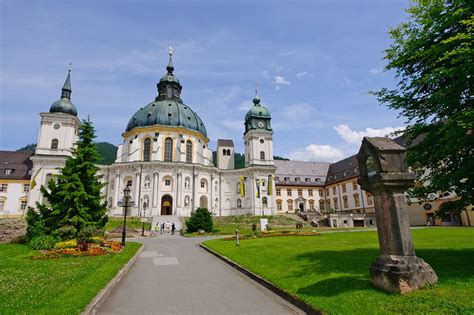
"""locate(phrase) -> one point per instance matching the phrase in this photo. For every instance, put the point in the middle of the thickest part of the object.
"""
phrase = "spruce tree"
(74, 195)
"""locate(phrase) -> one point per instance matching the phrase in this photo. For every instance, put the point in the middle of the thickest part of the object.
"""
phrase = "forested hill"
(107, 151)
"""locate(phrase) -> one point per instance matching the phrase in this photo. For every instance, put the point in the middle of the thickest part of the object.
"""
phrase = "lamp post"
(126, 199)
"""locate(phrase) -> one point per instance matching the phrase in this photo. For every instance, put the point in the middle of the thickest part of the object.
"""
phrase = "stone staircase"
(166, 218)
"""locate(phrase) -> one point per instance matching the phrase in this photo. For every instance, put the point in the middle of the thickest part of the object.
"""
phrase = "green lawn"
(331, 271)
(132, 222)
(227, 225)
(55, 286)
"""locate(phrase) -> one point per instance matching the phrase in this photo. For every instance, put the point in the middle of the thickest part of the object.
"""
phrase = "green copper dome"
(167, 113)
(64, 104)
(168, 109)
(258, 117)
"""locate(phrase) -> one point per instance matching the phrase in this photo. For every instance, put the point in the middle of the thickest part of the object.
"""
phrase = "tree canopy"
(432, 56)
(73, 196)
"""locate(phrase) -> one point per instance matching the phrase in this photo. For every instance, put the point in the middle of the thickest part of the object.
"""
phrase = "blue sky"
(313, 63)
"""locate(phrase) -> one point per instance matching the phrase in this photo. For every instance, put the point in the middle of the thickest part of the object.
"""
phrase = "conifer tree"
(73, 196)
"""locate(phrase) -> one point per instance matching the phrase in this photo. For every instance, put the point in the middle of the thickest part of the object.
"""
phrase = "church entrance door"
(166, 205)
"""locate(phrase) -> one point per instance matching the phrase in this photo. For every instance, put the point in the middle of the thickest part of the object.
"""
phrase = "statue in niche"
(187, 201)
(186, 183)
(147, 182)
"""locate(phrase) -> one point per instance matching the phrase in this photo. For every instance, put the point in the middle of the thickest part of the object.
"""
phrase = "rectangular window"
(310, 192)
(279, 206)
(354, 185)
(300, 192)
(129, 183)
(320, 193)
(290, 206)
(203, 185)
(344, 188)
(334, 190)
(369, 199)
(3, 187)
(327, 191)
(168, 182)
(288, 192)
(2, 204)
(278, 192)
(26, 187)
(23, 205)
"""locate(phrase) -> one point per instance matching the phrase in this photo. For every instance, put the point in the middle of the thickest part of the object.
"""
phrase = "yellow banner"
(242, 186)
(270, 185)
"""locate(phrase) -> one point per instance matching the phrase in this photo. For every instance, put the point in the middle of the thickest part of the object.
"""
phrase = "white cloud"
(233, 124)
(302, 74)
(279, 80)
(315, 152)
(376, 70)
(355, 137)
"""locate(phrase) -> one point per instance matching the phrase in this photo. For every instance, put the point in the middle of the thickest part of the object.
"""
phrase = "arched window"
(264, 202)
(262, 155)
(346, 202)
(239, 203)
(311, 204)
(168, 150)
(237, 185)
(336, 206)
(147, 149)
(321, 204)
(279, 205)
(54, 144)
(356, 200)
(189, 151)
(224, 152)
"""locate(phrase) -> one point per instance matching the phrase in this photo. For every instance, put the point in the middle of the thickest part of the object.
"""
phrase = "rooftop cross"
(170, 66)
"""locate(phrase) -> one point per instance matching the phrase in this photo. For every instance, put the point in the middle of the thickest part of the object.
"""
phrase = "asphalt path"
(173, 275)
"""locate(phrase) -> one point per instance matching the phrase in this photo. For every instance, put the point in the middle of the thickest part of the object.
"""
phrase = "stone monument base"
(401, 274)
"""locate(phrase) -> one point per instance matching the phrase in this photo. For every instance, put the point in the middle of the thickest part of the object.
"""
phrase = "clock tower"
(258, 136)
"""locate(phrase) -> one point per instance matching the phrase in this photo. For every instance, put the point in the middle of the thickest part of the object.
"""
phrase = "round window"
(57, 126)
(262, 141)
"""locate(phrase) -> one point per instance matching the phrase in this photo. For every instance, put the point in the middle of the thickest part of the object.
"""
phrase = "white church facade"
(165, 158)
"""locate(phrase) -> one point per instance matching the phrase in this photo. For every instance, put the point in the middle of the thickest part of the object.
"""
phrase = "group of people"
(164, 228)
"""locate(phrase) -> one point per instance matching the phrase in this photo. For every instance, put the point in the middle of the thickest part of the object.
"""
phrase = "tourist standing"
(168, 226)
(157, 228)
(162, 227)
(173, 228)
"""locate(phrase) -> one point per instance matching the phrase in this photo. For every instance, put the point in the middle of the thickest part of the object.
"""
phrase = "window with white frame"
(23, 204)
(167, 182)
(3, 187)
(26, 187)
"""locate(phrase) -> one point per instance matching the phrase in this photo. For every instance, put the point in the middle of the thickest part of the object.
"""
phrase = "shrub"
(66, 244)
(42, 242)
(35, 224)
(201, 219)
(66, 232)
(85, 236)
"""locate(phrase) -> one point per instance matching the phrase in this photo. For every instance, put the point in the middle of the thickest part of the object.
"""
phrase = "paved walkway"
(175, 276)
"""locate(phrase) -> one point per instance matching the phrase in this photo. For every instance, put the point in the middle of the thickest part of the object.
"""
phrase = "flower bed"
(72, 249)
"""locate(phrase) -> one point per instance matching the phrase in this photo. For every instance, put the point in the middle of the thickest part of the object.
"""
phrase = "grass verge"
(330, 271)
(132, 222)
(59, 286)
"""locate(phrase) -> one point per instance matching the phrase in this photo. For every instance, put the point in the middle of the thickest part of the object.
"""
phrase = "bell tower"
(258, 135)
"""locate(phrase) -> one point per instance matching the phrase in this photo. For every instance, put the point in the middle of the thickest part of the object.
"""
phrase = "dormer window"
(286, 179)
(8, 171)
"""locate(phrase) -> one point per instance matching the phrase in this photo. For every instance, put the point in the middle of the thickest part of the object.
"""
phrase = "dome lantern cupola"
(168, 109)
(258, 117)
(64, 104)
(169, 87)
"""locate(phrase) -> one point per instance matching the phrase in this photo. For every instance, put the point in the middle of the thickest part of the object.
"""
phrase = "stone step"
(166, 218)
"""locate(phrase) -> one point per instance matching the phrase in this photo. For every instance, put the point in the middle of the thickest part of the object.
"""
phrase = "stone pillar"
(384, 173)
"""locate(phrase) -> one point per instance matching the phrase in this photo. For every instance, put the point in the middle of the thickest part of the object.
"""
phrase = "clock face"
(260, 124)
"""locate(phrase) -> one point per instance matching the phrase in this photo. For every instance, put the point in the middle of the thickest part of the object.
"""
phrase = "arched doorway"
(166, 205)
(301, 206)
(203, 202)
